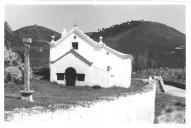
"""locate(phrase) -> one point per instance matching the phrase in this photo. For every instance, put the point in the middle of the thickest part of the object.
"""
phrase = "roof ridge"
(92, 42)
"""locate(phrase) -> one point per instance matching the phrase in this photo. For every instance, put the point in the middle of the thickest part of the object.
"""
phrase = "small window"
(75, 45)
(60, 76)
(107, 53)
(108, 68)
(74, 37)
(81, 77)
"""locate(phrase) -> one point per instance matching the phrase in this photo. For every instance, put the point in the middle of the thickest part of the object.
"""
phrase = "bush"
(13, 74)
(14, 67)
(96, 87)
(180, 104)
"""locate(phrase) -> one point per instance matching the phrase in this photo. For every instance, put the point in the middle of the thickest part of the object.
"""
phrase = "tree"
(142, 60)
(9, 35)
(13, 65)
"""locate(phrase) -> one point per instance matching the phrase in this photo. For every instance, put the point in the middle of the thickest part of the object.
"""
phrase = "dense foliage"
(152, 44)
(169, 74)
(116, 29)
(9, 35)
(14, 67)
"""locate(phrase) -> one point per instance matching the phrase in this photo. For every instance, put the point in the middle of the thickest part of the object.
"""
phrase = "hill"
(41, 36)
(36, 32)
(150, 43)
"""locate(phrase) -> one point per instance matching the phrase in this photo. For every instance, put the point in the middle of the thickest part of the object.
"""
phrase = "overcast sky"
(91, 18)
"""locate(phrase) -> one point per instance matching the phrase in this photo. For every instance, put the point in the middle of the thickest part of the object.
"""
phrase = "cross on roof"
(75, 23)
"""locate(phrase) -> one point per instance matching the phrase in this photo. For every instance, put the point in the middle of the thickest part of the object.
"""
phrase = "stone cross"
(26, 94)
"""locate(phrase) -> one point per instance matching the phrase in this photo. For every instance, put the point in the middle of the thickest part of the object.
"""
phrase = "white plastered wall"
(93, 75)
(119, 75)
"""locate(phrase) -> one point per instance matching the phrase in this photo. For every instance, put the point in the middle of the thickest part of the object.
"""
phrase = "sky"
(91, 18)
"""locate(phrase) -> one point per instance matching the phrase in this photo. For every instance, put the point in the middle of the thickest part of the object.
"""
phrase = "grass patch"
(177, 117)
(47, 93)
(169, 106)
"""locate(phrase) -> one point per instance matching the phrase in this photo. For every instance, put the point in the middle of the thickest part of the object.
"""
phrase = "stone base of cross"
(26, 94)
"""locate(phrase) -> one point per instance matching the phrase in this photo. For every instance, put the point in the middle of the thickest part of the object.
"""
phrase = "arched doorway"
(70, 76)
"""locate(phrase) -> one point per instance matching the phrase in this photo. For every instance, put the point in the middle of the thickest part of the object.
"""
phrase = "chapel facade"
(78, 60)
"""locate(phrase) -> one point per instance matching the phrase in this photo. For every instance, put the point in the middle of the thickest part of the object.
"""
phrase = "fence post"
(161, 83)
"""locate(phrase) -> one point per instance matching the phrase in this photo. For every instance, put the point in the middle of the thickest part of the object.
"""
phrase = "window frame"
(81, 77)
(59, 77)
(75, 45)
(108, 68)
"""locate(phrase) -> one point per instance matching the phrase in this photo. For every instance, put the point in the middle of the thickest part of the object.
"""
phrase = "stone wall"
(135, 107)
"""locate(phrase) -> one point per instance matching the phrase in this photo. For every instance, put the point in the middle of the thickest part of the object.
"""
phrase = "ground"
(169, 108)
(164, 100)
(47, 93)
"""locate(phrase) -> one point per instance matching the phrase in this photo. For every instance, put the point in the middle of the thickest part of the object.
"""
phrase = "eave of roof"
(78, 32)
(75, 54)
(119, 54)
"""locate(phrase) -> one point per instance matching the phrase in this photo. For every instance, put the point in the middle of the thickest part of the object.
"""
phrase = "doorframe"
(72, 78)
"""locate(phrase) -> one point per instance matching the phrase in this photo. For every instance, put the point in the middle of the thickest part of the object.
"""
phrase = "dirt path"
(175, 91)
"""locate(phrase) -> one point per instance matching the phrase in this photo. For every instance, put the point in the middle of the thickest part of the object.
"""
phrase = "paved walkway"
(175, 91)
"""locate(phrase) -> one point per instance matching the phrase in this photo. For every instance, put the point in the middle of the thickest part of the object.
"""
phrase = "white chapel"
(78, 60)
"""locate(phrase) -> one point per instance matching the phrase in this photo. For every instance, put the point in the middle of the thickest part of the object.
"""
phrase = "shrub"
(13, 74)
(12, 59)
(180, 104)
(14, 67)
(96, 87)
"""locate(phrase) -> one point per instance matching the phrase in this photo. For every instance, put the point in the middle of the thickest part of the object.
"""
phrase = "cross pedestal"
(27, 95)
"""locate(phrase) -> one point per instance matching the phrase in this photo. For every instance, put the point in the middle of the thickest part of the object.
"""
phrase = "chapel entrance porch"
(70, 76)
